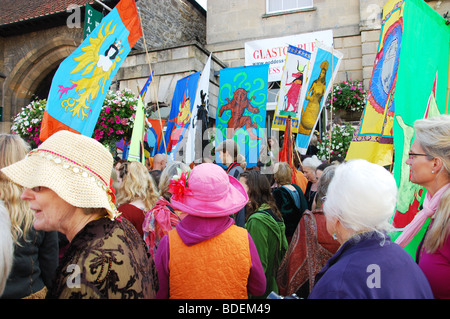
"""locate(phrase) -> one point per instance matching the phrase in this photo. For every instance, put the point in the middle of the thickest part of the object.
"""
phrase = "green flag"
(420, 92)
(136, 152)
(92, 18)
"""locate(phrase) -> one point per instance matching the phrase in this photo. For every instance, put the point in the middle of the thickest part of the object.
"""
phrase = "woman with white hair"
(309, 169)
(360, 200)
(429, 161)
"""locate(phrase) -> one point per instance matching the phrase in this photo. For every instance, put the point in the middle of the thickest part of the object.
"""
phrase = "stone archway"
(29, 72)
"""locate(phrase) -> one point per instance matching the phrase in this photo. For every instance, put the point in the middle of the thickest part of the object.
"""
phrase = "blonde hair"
(137, 184)
(6, 247)
(13, 149)
(283, 173)
(433, 135)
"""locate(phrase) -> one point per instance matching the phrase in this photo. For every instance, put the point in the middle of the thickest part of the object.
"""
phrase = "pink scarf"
(430, 204)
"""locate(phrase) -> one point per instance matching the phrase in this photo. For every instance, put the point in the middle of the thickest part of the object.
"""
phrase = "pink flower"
(119, 132)
(178, 186)
(107, 109)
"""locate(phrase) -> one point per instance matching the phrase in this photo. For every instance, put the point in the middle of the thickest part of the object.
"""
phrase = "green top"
(269, 237)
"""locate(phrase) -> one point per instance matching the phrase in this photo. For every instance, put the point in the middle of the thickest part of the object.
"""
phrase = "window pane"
(285, 5)
(289, 4)
(275, 5)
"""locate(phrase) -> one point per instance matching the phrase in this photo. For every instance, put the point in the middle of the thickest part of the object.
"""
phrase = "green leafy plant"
(348, 95)
(340, 142)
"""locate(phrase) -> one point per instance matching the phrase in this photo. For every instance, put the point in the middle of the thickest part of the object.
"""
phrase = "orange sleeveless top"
(217, 268)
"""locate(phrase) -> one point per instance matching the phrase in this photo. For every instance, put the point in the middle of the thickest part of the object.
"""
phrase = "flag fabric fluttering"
(154, 134)
(286, 153)
(291, 88)
(424, 57)
(146, 85)
(180, 113)
(324, 65)
(194, 134)
(241, 109)
(136, 152)
(374, 140)
(82, 80)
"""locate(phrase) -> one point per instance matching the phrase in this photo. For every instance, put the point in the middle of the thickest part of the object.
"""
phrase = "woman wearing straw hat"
(67, 183)
(206, 256)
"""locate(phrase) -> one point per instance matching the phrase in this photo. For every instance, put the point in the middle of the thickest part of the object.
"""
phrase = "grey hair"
(312, 162)
(167, 174)
(433, 135)
(323, 183)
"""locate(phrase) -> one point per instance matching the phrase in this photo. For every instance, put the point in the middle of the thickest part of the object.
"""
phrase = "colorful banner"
(420, 91)
(180, 113)
(273, 51)
(82, 80)
(241, 109)
(373, 141)
(154, 134)
(289, 96)
(324, 65)
(194, 142)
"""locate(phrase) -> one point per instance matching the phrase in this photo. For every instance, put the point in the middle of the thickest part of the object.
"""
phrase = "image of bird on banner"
(82, 80)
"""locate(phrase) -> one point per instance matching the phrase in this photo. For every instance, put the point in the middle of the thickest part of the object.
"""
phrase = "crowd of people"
(74, 223)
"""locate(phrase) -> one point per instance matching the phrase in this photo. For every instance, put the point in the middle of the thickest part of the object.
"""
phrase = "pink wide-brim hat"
(213, 193)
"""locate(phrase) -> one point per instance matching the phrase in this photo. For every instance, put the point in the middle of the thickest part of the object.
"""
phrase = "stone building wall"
(168, 23)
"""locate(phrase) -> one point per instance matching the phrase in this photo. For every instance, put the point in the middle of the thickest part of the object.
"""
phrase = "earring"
(432, 172)
(334, 236)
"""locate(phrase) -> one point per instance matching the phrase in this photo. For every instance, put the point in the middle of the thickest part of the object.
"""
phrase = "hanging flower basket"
(115, 122)
(348, 96)
(340, 142)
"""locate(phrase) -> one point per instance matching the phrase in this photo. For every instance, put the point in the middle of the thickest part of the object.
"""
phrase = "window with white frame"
(274, 6)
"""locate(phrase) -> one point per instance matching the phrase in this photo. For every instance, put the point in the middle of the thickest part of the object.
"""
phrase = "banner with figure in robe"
(324, 65)
(82, 80)
(180, 114)
(421, 91)
(241, 109)
(291, 88)
(373, 141)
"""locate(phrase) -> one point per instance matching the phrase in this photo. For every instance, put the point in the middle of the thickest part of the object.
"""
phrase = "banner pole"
(331, 105)
(154, 91)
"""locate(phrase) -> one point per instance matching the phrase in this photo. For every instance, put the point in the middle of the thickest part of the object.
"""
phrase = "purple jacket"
(371, 268)
(193, 230)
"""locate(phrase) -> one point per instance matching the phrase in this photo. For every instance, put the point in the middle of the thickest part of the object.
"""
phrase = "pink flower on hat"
(178, 186)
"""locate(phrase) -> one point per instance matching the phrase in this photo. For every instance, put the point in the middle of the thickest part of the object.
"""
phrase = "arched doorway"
(32, 75)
